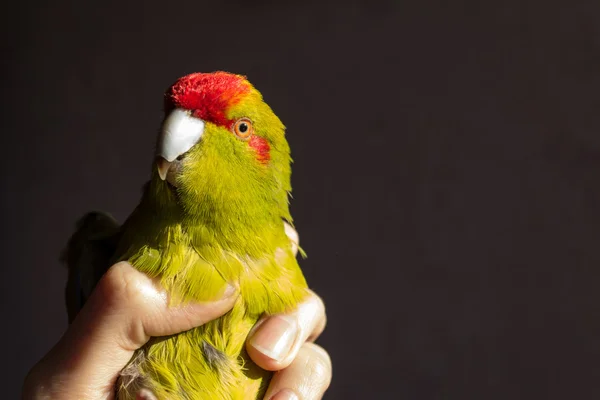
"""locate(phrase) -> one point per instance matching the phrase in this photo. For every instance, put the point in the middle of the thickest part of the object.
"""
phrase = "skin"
(127, 308)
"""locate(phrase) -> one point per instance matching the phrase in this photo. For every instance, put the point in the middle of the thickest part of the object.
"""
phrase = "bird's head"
(221, 149)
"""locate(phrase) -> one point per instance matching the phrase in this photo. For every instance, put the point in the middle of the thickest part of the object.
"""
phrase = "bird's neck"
(241, 225)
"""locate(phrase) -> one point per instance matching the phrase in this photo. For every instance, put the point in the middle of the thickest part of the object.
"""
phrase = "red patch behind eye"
(262, 148)
(208, 95)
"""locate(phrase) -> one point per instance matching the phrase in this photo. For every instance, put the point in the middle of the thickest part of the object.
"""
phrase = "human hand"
(127, 308)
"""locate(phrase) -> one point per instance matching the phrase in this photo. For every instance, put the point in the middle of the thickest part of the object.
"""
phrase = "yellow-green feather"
(222, 225)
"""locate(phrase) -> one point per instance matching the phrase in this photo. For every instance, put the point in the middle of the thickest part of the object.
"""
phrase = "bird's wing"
(87, 257)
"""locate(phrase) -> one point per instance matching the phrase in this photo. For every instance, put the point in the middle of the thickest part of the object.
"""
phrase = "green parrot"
(214, 214)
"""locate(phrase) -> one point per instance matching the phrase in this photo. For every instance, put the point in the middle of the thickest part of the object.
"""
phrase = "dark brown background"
(446, 183)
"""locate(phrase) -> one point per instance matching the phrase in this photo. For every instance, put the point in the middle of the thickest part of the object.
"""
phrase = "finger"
(275, 340)
(293, 235)
(121, 315)
(307, 377)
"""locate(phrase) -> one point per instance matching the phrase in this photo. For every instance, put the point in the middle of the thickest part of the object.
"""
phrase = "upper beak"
(179, 133)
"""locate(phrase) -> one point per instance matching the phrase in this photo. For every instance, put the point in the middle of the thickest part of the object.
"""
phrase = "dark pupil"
(243, 127)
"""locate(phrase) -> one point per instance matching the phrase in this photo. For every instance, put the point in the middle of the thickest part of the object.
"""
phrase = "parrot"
(214, 213)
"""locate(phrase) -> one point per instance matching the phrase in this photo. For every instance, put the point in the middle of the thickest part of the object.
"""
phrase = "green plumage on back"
(213, 214)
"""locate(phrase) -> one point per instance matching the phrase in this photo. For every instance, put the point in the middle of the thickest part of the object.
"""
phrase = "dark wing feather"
(88, 256)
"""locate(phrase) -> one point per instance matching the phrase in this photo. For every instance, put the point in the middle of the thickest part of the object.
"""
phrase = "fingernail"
(275, 337)
(285, 394)
(229, 291)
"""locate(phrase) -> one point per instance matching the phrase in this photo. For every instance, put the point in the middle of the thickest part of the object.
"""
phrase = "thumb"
(121, 315)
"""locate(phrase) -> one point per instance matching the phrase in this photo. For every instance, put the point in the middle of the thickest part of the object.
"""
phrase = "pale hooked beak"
(180, 132)
(162, 166)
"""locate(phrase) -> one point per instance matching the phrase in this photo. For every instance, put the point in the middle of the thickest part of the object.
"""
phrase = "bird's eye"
(243, 128)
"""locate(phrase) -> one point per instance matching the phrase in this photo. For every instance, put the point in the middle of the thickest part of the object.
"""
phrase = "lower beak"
(163, 167)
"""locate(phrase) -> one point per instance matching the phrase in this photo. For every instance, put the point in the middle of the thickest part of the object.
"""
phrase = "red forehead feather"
(208, 95)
